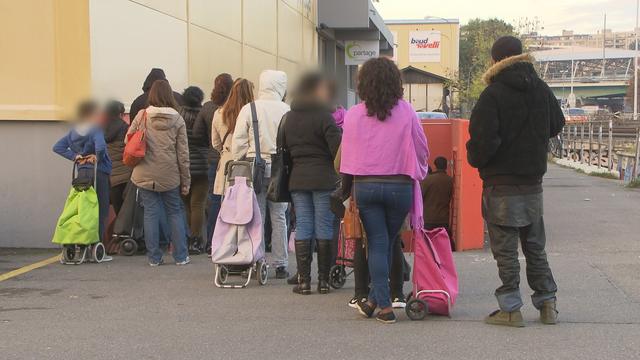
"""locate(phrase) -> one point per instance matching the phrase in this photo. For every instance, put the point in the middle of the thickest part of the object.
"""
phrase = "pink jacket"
(395, 146)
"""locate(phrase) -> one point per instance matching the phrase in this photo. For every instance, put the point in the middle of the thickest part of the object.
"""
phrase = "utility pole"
(604, 45)
(635, 91)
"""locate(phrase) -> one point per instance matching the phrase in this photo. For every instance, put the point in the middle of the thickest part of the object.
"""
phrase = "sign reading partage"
(424, 46)
(358, 51)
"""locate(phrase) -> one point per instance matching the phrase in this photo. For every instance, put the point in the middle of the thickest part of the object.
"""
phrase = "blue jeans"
(383, 208)
(213, 203)
(314, 219)
(154, 202)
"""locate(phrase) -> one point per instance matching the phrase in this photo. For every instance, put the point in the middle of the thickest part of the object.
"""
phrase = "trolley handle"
(74, 172)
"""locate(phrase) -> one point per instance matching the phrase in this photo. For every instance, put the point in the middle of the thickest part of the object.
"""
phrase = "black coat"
(312, 139)
(142, 101)
(202, 128)
(198, 149)
(512, 123)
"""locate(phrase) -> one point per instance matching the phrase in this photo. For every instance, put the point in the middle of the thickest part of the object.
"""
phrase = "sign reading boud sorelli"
(359, 51)
(424, 46)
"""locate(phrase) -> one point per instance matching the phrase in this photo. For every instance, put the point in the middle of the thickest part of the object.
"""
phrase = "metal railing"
(604, 141)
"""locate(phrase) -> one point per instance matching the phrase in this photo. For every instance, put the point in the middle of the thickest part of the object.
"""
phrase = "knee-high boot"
(303, 259)
(324, 265)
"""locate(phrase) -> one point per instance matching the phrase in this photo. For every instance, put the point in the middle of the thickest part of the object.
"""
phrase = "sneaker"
(364, 308)
(399, 302)
(154, 264)
(386, 318)
(499, 317)
(184, 262)
(353, 303)
(281, 272)
(107, 258)
(548, 313)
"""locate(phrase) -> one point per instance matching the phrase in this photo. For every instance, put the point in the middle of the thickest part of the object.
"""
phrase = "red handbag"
(136, 146)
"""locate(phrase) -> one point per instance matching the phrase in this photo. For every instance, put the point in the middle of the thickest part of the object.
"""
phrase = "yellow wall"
(45, 59)
(56, 52)
(450, 35)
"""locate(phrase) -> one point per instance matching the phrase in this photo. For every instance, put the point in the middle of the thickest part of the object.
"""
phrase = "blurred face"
(323, 92)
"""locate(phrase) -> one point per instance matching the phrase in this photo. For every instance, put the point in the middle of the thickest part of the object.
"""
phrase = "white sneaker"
(154, 264)
(353, 303)
(185, 262)
(107, 258)
(398, 303)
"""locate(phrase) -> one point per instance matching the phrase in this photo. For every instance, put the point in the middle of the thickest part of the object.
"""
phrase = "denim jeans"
(278, 216)
(383, 208)
(314, 219)
(213, 203)
(154, 202)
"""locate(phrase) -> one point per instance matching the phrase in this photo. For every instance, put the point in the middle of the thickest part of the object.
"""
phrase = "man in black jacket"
(510, 128)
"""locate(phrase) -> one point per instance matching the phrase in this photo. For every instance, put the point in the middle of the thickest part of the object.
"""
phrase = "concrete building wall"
(60, 51)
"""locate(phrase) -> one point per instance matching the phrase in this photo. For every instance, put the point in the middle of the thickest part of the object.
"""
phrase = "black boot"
(303, 259)
(293, 279)
(324, 265)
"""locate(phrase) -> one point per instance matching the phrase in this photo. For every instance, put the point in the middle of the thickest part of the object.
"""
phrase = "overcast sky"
(584, 16)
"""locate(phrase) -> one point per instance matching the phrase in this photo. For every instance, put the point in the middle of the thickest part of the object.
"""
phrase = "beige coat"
(218, 131)
(166, 162)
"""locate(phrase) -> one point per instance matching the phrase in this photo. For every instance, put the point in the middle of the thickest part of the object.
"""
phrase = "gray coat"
(166, 162)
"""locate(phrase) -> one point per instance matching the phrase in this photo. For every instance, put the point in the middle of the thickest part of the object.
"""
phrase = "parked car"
(575, 116)
(430, 115)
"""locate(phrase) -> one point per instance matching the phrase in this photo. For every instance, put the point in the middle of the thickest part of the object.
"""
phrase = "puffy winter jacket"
(198, 147)
(270, 108)
(166, 162)
(511, 124)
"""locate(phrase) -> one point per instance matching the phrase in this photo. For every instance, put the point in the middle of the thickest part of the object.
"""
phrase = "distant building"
(611, 39)
(427, 52)
(598, 78)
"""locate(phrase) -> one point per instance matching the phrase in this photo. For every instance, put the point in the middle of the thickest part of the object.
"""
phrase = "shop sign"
(359, 51)
(424, 46)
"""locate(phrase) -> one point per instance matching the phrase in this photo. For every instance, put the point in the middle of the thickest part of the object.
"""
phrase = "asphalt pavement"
(127, 310)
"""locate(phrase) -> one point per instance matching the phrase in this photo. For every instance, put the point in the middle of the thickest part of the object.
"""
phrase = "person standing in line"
(142, 101)
(114, 134)
(270, 108)
(510, 128)
(312, 138)
(202, 129)
(163, 174)
(385, 149)
(437, 189)
(85, 145)
(194, 201)
(224, 125)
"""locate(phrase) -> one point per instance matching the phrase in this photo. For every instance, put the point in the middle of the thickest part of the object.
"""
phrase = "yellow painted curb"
(26, 269)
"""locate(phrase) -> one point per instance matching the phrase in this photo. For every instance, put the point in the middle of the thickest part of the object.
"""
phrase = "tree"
(476, 39)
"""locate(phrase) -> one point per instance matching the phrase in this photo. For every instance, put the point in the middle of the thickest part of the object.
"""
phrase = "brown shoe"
(548, 313)
(499, 317)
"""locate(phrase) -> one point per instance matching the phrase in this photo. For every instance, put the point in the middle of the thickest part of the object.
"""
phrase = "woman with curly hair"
(384, 148)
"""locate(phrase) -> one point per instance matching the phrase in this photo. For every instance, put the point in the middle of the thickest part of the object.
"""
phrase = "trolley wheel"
(223, 274)
(68, 254)
(128, 247)
(337, 276)
(416, 309)
(263, 272)
(98, 252)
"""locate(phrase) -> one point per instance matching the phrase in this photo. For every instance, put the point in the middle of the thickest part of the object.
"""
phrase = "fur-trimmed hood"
(522, 64)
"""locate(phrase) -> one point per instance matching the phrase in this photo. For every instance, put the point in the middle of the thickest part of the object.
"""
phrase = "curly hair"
(380, 86)
(193, 96)
(221, 88)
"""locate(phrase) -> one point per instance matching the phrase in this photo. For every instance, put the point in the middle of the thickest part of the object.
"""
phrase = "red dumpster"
(448, 138)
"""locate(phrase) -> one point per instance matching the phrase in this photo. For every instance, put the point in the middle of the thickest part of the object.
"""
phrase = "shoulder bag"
(259, 164)
(278, 190)
(136, 147)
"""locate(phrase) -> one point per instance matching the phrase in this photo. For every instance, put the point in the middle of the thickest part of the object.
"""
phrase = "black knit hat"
(505, 47)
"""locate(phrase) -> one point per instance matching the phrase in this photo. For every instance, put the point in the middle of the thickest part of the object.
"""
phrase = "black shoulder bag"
(259, 165)
(280, 168)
